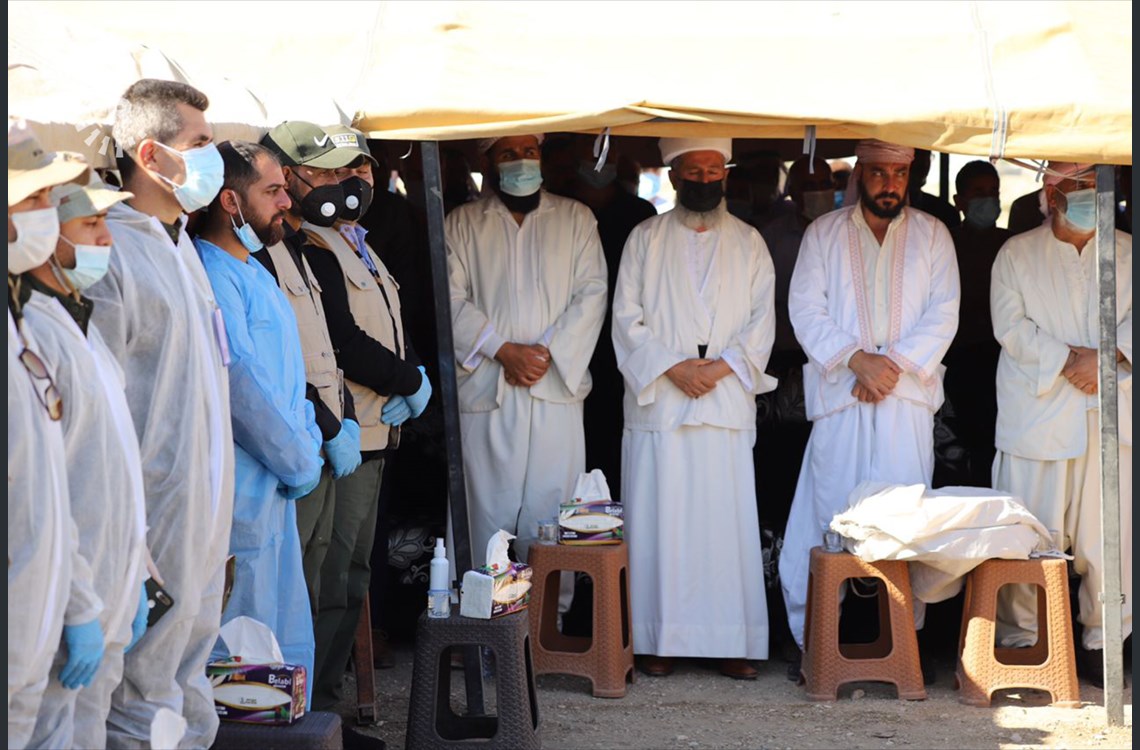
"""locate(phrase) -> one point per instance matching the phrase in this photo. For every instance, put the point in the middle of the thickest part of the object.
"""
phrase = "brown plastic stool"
(1049, 664)
(893, 657)
(606, 658)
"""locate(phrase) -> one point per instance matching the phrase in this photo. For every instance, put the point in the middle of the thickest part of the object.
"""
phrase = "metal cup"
(832, 541)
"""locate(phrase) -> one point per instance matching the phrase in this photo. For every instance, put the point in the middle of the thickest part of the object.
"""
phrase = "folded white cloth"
(943, 533)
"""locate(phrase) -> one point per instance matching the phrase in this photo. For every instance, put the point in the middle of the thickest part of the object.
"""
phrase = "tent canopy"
(981, 78)
(1015, 79)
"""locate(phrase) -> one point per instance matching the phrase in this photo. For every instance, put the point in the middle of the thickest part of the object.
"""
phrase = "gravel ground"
(696, 707)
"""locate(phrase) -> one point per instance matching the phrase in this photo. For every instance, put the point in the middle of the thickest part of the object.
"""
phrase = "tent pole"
(449, 397)
(1109, 448)
(944, 176)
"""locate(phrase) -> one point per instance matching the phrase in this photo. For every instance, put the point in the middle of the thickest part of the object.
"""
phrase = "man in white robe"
(528, 295)
(1044, 300)
(694, 322)
(874, 303)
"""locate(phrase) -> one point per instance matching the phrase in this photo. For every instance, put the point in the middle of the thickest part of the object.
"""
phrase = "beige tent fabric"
(1017, 79)
(1053, 78)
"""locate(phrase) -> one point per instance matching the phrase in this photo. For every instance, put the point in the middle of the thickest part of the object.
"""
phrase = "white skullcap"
(671, 148)
(484, 144)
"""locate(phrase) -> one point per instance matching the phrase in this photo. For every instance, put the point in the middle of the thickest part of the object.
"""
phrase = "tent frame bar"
(1109, 446)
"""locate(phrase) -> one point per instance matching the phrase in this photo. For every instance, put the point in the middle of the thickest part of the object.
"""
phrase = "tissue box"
(486, 594)
(599, 522)
(257, 693)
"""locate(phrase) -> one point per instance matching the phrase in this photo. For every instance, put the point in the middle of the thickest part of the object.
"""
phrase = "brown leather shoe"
(738, 669)
(657, 666)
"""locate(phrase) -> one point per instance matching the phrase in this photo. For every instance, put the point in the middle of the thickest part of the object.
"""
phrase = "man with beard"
(361, 303)
(528, 295)
(693, 328)
(874, 304)
(276, 441)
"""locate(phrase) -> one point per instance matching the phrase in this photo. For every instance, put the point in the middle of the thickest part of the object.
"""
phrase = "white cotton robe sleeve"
(749, 349)
(573, 334)
(824, 341)
(1037, 354)
(642, 356)
(472, 332)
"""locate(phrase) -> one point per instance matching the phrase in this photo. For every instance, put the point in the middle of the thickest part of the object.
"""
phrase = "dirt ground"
(696, 707)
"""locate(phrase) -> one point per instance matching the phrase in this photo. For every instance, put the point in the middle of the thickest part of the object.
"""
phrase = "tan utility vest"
(304, 294)
(375, 305)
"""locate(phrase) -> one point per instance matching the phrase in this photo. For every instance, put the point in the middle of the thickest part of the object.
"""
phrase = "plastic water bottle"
(439, 593)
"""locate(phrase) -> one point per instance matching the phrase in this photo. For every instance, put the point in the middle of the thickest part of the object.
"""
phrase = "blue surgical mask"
(520, 178)
(249, 239)
(91, 262)
(1080, 209)
(205, 173)
(982, 213)
(595, 178)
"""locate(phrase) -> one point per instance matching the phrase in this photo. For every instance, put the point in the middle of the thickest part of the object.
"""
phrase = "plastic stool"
(432, 723)
(1049, 665)
(319, 730)
(893, 657)
(606, 658)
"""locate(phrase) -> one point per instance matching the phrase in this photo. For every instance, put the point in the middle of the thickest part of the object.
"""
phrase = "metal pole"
(1109, 448)
(944, 176)
(449, 398)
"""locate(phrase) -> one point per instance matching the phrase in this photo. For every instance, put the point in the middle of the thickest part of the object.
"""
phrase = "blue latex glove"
(418, 401)
(138, 625)
(344, 449)
(299, 491)
(396, 411)
(84, 652)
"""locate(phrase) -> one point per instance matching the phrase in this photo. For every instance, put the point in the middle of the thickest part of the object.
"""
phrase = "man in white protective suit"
(50, 591)
(1044, 303)
(528, 295)
(874, 304)
(694, 321)
(104, 472)
(157, 314)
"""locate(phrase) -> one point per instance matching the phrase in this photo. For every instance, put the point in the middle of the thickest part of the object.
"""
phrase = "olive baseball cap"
(300, 143)
(31, 168)
(74, 200)
(351, 139)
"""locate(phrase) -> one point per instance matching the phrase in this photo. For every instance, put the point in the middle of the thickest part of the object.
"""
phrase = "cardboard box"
(598, 522)
(487, 594)
(257, 693)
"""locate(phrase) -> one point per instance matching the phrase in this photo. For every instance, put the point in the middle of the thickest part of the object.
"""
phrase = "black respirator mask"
(357, 198)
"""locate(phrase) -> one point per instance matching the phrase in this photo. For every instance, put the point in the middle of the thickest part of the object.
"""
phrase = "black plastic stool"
(432, 723)
(318, 730)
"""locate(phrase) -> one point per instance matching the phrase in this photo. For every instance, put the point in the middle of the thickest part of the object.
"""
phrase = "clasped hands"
(523, 364)
(1082, 368)
(876, 376)
(696, 377)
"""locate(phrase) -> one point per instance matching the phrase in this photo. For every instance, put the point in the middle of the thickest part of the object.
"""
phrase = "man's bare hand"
(523, 364)
(1081, 369)
(860, 392)
(693, 377)
(877, 374)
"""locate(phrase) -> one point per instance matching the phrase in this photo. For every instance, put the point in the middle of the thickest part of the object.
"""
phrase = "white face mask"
(817, 203)
(37, 233)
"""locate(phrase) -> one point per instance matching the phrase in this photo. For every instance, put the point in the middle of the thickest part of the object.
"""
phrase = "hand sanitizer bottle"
(439, 594)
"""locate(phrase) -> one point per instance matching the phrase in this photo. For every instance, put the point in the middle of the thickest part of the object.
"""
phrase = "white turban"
(671, 148)
(1059, 171)
(484, 144)
(873, 151)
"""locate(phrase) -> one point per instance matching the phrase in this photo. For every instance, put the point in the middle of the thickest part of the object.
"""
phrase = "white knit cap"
(671, 148)
(484, 144)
